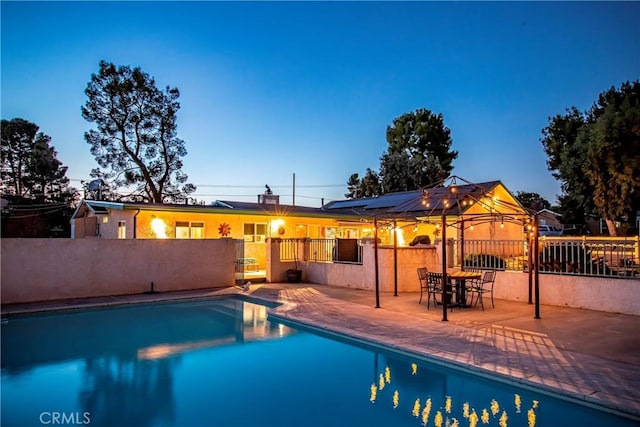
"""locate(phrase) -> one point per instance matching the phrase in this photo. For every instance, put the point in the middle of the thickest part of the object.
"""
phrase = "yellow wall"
(292, 226)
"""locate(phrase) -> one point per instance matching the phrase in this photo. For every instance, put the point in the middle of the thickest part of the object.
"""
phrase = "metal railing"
(288, 249)
(322, 250)
(496, 254)
(335, 250)
(587, 256)
(593, 256)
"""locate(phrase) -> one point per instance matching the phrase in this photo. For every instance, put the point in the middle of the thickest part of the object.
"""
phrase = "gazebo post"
(375, 256)
(444, 266)
(536, 267)
(530, 264)
(461, 243)
(395, 258)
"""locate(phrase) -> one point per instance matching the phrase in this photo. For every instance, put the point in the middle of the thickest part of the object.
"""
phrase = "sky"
(269, 90)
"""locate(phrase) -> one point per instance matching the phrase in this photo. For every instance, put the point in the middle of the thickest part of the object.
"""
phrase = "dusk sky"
(272, 89)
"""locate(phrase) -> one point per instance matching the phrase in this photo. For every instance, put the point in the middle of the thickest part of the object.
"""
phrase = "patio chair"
(483, 286)
(423, 279)
(435, 288)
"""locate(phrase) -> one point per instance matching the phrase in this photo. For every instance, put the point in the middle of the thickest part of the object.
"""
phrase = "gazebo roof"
(412, 203)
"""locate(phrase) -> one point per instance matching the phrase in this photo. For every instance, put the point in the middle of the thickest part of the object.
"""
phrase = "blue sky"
(273, 89)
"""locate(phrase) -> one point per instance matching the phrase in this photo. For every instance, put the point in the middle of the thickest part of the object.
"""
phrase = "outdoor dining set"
(462, 287)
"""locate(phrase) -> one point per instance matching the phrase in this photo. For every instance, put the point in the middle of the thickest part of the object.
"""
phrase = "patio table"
(460, 278)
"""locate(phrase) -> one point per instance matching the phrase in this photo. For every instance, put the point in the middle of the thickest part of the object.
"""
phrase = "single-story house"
(486, 211)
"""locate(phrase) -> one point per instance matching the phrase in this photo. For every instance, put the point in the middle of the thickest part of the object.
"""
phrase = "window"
(255, 232)
(189, 230)
(122, 229)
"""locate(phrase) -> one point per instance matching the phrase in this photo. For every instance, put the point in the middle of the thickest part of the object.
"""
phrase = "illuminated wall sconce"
(277, 226)
(159, 228)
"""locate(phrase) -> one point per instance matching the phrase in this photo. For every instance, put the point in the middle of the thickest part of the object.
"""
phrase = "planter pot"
(294, 276)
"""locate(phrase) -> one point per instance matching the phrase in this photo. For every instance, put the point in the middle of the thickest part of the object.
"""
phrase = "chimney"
(268, 198)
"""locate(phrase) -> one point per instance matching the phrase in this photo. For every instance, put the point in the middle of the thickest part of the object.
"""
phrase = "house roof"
(396, 205)
(218, 207)
(548, 211)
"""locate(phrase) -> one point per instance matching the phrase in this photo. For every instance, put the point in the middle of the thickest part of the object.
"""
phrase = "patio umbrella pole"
(444, 267)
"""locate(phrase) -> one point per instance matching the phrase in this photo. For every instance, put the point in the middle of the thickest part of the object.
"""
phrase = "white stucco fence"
(49, 269)
(614, 295)
(593, 293)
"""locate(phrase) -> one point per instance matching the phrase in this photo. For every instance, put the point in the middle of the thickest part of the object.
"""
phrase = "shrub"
(485, 261)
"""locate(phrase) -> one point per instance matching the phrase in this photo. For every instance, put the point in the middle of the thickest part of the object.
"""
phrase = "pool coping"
(288, 311)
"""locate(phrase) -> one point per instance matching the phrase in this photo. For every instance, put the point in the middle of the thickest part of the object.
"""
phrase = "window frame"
(122, 229)
(255, 237)
(189, 228)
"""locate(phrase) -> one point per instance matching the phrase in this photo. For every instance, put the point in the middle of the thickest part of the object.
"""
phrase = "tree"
(136, 137)
(353, 186)
(533, 201)
(596, 155)
(418, 155)
(31, 172)
(564, 147)
(370, 185)
(34, 182)
(18, 139)
(613, 155)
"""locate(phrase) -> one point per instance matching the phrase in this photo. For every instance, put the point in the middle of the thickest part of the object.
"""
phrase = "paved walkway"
(589, 355)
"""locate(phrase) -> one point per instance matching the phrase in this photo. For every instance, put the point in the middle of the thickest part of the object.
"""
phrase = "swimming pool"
(221, 362)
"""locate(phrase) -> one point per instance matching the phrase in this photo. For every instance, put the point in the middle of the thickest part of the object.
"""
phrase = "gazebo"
(464, 206)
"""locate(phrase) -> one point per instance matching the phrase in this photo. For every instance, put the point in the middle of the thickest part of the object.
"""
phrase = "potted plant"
(294, 275)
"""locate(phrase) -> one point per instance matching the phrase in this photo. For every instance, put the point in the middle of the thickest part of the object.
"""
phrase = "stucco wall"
(361, 276)
(47, 269)
(593, 293)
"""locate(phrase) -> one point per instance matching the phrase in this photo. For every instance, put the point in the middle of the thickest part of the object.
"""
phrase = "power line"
(251, 186)
(272, 186)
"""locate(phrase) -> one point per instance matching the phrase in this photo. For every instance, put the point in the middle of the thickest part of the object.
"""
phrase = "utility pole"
(294, 189)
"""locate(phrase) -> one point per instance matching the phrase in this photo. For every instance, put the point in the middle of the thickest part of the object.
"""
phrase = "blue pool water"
(222, 363)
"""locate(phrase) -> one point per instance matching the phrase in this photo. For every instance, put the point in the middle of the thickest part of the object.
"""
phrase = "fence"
(594, 256)
(288, 249)
(48, 269)
(496, 254)
(323, 250)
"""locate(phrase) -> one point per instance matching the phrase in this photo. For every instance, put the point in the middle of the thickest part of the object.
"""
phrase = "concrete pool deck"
(587, 355)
